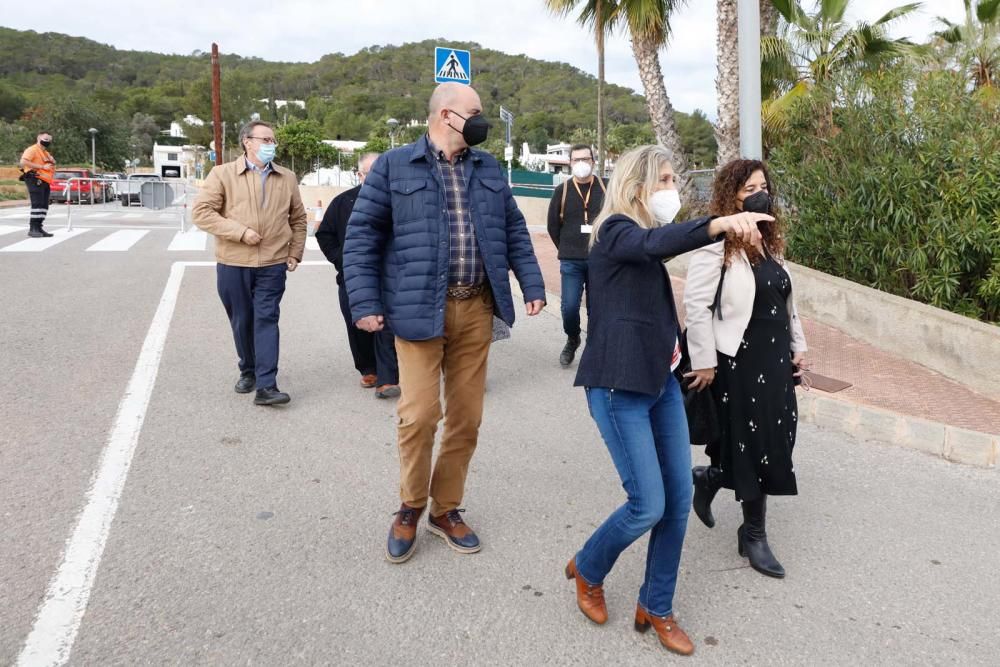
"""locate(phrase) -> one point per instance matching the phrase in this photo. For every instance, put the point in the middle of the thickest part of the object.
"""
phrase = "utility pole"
(216, 104)
(748, 17)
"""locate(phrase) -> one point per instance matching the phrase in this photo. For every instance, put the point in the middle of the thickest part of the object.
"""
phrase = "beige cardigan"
(707, 333)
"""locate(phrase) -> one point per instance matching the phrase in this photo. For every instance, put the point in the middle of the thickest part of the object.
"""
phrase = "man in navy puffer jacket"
(430, 243)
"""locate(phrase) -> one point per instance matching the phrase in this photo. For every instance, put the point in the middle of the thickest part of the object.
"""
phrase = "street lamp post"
(93, 148)
(748, 16)
(393, 127)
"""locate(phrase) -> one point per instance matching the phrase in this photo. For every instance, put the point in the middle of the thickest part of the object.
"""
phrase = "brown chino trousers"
(460, 357)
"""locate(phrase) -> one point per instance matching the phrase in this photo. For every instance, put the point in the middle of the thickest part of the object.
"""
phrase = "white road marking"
(38, 245)
(58, 619)
(91, 216)
(194, 239)
(132, 216)
(312, 243)
(59, 616)
(119, 241)
(10, 229)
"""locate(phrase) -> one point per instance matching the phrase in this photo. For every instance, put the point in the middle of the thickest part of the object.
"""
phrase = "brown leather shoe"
(589, 598)
(455, 532)
(369, 381)
(403, 534)
(666, 628)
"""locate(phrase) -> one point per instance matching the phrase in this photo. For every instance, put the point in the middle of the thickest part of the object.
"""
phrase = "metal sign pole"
(748, 15)
(508, 119)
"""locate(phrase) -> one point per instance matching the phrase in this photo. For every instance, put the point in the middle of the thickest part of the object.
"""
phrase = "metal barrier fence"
(171, 195)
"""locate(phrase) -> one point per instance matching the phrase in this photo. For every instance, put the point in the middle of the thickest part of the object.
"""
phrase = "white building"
(555, 160)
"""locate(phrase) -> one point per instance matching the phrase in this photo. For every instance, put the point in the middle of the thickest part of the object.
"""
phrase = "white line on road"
(38, 245)
(59, 617)
(10, 229)
(58, 620)
(119, 241)
(312, 243)
(194, 239)
(132, 216)
(91, 216)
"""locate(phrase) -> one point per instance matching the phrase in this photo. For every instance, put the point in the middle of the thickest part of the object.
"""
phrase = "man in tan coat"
(253, 208)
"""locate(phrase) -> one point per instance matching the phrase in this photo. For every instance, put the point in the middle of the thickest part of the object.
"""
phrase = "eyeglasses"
(265, 140)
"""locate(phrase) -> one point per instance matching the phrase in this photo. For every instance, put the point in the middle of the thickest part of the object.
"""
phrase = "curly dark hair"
(728, 182)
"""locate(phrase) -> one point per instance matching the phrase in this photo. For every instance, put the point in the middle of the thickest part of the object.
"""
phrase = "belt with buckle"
(462, 292)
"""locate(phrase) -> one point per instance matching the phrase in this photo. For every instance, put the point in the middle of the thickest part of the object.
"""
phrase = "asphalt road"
(249, 535)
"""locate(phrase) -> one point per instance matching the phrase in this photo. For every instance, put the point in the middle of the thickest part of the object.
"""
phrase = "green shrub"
(902, 193)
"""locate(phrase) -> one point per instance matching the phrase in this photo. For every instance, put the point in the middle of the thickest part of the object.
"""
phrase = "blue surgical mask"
(266, 153)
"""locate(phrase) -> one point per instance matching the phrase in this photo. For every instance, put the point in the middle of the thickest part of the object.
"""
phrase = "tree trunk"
(727, 82)
(601, 139)
(768, 19)
(661, 112)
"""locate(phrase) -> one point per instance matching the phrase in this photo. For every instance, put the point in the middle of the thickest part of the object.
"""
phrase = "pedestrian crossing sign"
(452, 65)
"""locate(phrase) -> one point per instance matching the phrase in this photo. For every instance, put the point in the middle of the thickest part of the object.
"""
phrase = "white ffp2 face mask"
(665, 205)
(582, 170)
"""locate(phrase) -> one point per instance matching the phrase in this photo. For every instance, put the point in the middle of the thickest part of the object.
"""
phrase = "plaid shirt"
(465, 266)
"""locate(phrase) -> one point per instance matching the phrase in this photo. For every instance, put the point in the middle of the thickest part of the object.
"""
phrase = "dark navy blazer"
(632, 321)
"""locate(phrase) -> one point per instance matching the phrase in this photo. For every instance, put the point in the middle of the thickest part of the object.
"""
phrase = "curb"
(951, 443)
(14, 203)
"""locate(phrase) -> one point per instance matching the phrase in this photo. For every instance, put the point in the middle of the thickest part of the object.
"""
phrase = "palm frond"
(898, 13)
(988, 11)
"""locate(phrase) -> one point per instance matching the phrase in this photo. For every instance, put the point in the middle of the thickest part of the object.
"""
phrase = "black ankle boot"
(707, 482)
(569, 351)
(752, 539)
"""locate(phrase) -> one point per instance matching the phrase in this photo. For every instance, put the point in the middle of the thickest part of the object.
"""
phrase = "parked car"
(130, 190)
(66, 187)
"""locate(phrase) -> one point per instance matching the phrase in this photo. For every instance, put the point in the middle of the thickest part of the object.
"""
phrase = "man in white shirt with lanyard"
(572, 210)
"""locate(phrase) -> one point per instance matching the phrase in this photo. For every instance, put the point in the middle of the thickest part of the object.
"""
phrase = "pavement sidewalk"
(890, 398)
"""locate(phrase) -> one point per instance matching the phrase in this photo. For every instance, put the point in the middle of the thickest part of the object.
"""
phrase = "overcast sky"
(305, 30)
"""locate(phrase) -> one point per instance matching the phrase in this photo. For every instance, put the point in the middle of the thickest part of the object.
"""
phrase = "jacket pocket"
(408, 198)
(494, 184)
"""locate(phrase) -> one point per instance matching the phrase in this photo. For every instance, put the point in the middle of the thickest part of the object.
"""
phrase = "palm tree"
(648, 23)
(727, 81)
(975, 44)
(813, 49)
(597, 16)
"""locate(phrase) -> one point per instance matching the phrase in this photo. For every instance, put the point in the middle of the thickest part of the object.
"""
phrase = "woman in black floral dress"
(744, 335)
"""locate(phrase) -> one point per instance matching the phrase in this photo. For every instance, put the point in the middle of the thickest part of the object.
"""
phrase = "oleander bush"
(901, 191)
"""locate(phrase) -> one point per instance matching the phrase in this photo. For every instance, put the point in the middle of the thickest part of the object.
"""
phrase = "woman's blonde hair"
(636, 175)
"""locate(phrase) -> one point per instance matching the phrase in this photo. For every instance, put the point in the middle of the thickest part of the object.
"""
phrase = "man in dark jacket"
(432, 238)
(374, 353)
(572, 210)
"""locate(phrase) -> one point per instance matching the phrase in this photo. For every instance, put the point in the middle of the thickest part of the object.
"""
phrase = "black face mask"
(45, 144)
(475, 131)
(758, 202)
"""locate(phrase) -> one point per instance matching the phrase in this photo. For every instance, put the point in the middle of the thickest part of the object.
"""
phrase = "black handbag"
(700, 406)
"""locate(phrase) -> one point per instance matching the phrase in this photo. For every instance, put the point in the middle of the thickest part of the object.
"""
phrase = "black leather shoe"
(246, 383)
(707, 482)
(271, 396)
(569, 351)
(752, 540)
(44, 233)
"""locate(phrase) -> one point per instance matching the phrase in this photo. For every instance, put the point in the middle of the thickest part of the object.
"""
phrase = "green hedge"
(902, 192)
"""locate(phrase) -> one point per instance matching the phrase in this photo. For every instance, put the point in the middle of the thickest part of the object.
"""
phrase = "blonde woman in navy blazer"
(632, 394)
(747, 338)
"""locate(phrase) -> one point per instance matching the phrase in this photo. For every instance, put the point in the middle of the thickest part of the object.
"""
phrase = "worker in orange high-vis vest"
(38, 168)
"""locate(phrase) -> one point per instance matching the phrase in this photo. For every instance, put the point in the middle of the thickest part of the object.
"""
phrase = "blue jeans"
(574, 279)
(252, 298)
(647, 437)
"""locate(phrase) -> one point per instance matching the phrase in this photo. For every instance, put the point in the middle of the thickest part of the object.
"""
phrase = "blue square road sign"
(452, 65)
